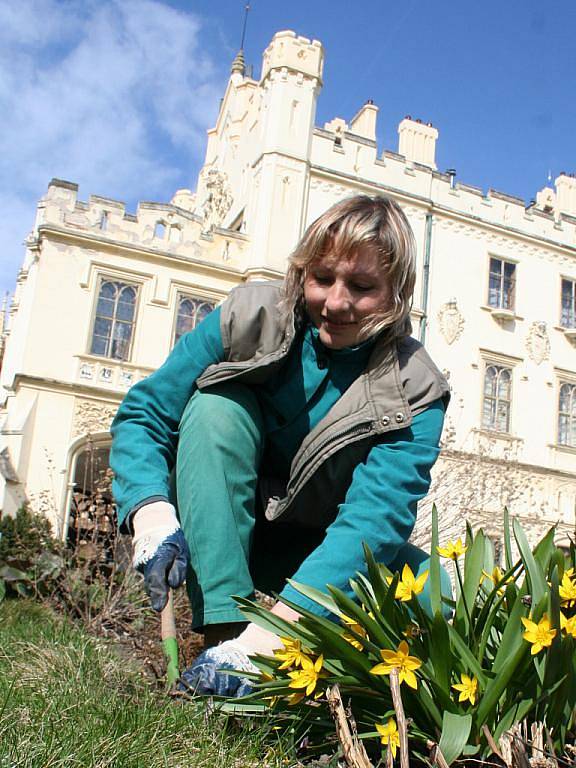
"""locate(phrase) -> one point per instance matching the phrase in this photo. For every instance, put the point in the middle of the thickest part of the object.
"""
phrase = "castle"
(103, 294)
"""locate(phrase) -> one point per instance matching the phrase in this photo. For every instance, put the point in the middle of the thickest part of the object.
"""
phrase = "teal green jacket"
(381, 501)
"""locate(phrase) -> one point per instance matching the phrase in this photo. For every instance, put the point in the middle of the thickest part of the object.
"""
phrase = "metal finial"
(246, 10)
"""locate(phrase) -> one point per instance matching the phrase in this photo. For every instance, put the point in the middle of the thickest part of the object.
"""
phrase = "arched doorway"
(90, 513)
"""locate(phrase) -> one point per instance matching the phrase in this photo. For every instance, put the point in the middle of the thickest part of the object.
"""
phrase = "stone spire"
(239, 65)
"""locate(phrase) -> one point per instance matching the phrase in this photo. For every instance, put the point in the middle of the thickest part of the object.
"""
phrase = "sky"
(117, 95)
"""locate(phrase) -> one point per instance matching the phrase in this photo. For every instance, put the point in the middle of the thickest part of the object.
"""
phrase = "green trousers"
(234, 549)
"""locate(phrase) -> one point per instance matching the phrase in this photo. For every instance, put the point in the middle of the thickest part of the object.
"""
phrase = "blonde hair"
(343, 229)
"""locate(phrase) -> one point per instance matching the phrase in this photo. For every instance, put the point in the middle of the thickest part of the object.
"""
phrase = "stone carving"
(91, 416)
(218, 199)
(451, 321)
(537, 342)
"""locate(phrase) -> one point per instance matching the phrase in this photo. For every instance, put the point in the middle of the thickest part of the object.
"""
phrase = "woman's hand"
(209, 676)
(160, 550)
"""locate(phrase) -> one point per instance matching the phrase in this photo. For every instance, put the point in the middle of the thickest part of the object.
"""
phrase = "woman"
(301, 420)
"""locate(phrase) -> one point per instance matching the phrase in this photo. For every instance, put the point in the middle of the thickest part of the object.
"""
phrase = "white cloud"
(114, 95)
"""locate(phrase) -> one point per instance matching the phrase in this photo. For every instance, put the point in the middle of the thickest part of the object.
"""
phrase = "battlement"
(289, 51)
(343, 151)
(173, 228)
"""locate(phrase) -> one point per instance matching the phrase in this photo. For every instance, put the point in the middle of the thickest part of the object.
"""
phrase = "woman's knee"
(228, 411)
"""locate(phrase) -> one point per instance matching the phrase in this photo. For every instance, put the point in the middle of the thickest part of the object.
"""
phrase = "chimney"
(417, 141)
(566, 193)
(364, 121)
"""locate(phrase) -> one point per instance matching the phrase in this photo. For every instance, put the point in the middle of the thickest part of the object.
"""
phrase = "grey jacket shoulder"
(250, 320)
(421, 379)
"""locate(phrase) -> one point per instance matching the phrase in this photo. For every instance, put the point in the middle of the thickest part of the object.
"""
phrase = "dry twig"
(400, 718)
(352, 748)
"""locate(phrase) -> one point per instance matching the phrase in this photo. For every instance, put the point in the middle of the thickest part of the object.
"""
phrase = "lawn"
(69, 699)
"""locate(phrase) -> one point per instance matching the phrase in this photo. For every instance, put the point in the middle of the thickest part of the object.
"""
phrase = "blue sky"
(116, 95)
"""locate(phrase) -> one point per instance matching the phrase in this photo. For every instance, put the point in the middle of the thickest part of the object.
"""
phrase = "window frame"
(571, 416)
(501, 306)
(128, 283)
(183, 295)
(501, 366)
(572, 280)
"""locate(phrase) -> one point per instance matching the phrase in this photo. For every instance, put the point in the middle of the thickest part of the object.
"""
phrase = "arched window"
(497, 398)
(159, 230)
(191, 310)
(567, 415)
(114, 320)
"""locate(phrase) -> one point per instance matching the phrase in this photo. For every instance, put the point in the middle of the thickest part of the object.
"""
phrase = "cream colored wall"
(266, 161)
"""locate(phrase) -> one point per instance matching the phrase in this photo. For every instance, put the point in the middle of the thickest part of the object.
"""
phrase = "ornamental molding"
(218, 200)
(537, 342)
(451, 321)
(92, 416)
(335, 190)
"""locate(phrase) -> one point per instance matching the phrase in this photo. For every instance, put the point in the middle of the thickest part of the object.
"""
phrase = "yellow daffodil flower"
(354, 626)
(400, 660)
(567, 591)
(292, 654)
(568, 625)
(468, 687)
(538, 635)
(295, 698)
(408, 586)
(389, 735)
(497, 578)
(307, 677)
(452, 550)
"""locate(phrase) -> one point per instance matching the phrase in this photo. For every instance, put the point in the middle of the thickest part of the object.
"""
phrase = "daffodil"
(295, 698)
(538, 635)
(355, 627)
(497, 578)
(468, 687)
(389, 735)
(568, 625)
(567, 591)
(400, 660)
(292, 654)
(452, 550)
(408, 586)
(308, 675)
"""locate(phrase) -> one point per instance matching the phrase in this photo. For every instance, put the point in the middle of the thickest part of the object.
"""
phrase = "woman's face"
(341, 293)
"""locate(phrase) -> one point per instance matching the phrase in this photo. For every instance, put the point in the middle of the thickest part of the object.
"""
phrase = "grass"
(68, 699)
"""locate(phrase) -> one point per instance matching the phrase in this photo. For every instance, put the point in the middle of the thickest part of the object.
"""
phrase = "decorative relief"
(537, 342)
(451, 321)
(86, 371)
(91, 416)
(218, 199)
(127, 377)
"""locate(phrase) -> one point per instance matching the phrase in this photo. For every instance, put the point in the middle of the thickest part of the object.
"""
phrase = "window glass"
(567, 415)
(114, 321)
(191, 311)
(501, 284)
(568, 304)
(497, 398)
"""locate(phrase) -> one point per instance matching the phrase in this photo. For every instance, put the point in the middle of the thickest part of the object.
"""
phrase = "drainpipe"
(426, 276)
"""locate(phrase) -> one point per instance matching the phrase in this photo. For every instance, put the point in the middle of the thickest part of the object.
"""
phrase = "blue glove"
(160, 551)
(208, 676)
